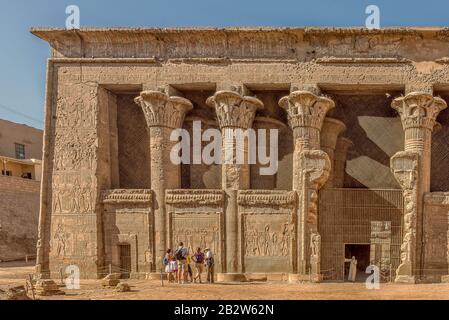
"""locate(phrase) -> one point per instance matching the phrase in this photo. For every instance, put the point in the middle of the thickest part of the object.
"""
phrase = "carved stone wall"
(196, 218)
(267, 231)
(76, 178)
(96, 141)
(436, 235)
(128, 219)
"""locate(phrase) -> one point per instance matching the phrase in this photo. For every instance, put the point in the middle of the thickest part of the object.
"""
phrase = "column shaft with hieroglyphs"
(311, 166)
(411, 168)
(163, 114)
(234, 111)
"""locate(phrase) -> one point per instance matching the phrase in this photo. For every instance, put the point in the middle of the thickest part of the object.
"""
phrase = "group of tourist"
(178, 265)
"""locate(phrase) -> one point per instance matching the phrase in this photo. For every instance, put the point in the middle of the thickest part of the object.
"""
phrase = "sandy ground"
(14, 274)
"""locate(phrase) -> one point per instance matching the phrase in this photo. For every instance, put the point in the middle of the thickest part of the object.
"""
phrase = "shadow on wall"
(387, 135)
(376, 132)
(440, 151)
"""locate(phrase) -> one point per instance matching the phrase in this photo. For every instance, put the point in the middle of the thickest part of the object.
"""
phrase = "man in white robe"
(352, 269)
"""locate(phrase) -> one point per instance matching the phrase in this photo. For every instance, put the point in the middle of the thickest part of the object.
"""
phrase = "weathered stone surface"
(123, 287)
(111, 280)
(47, 288)
(14, 293)
(112, 198)
(20, 217)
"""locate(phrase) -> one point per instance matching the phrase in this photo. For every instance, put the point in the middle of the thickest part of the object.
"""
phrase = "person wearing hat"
(209, 262)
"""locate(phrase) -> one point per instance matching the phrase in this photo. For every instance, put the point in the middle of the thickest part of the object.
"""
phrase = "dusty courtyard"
(12, 274)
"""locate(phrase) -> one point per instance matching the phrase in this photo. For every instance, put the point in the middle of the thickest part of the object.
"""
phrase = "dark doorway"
(125, 260)
(361, 252)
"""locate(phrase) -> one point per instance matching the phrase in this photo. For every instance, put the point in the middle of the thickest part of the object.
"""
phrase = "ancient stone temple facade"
(362, 161)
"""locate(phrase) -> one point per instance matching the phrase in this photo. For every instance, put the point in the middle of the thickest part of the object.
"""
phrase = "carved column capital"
(418, 110)
(234, 110)
(305, 109)
(161, 110)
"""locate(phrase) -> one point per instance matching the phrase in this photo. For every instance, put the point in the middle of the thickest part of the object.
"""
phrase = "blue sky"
(23, 57)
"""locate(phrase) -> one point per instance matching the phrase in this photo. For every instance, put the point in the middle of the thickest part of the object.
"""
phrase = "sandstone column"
(332, 128)
(311, 166)
(411, 168)
(340, 156)
(163, 114)
(234, 111)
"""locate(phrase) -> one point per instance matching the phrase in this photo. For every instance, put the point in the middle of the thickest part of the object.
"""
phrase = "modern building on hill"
(21, 169)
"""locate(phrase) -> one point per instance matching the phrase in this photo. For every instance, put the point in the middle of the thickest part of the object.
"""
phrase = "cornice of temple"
(303, 30)
(223, 45)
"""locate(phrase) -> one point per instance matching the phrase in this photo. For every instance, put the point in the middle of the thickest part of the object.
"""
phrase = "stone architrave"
(332, 128)
(234, 111)
(411, 168)
(311, 168)
(163, 114)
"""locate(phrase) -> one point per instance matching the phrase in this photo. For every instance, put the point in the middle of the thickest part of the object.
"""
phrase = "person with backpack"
(198, 258)
(209, 261)
(181, 257)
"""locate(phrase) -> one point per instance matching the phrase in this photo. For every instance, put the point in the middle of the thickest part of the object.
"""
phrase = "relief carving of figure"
(285, 240)
(61, 241)
(195, 235)
(315, 244)
(266, 242)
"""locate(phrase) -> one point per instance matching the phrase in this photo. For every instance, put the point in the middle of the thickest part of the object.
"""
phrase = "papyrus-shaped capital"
(234, 110)
(161, 110)
(418, 109)
(305, 109)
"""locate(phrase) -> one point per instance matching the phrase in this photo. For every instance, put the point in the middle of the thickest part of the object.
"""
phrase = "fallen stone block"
(123, 287)
(46, 287)
(14, 293)
(111, 280)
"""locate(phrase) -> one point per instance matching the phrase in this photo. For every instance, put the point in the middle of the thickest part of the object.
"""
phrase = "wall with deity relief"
(78, 156)
(267, 231)
(436, 236)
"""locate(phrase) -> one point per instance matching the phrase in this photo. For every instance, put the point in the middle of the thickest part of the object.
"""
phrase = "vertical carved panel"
(73, 235)
(267, 231)
(196, 218)
(405, 169)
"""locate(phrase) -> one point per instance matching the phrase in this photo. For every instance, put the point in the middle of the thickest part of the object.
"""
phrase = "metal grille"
(360, 216)
(125, 260)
